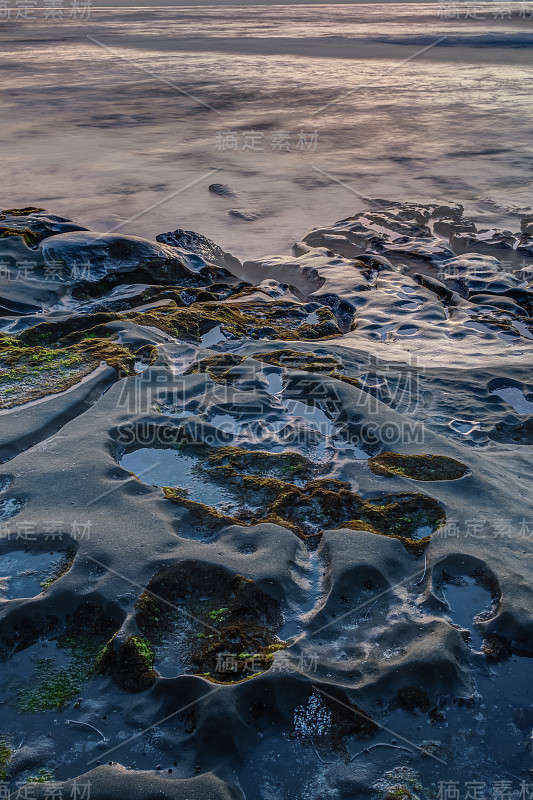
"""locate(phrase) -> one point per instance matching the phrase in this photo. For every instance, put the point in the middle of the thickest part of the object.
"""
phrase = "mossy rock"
(237, 321)
(235, 460)
(61, 568)
(86, 632)
(22, 212)
(5, 758)
(32, 371)
(298, 359)
(398, 793)
(418, 467)
(231, 623)
(31, 238)
(308, 361)
(131, 665)
(43, 776)
(278, 320)
(267, 480)
(217, 367)
(404, 515)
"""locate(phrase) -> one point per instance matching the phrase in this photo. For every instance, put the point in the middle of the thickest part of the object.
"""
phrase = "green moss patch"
(31, 238)
(43, 776)
(22, 212)
(130, 664)
(5, 758)
(253, 320)
(52, 686)
(232, 461)
(266, 484)
(31, 371)
(418, 467)
(229, 624)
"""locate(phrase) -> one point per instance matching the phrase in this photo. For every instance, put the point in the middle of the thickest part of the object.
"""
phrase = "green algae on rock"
(229, 623)
(5, 758)
(217, 367)
(265, 485)
(30, 372)
(277, 320)
(130, 664)
(52, 686)
(232, 461)
(60, 568)
(43, 776)
(417, 467)
(31, 238)
(307, 361)
(22, 212)
(401, 783)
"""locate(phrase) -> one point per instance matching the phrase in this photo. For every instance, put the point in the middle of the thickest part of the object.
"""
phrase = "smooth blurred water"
(121, 124)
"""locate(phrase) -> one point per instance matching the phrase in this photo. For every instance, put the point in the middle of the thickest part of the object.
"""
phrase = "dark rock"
(245, 214)
(199, 245)
(222, 189)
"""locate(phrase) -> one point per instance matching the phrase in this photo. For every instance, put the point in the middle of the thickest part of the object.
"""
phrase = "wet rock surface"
(266, 527)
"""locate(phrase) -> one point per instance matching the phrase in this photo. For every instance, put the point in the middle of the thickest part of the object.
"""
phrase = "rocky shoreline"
(266, 527)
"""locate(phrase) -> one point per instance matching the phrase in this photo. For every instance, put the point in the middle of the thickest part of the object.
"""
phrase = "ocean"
(122, 117)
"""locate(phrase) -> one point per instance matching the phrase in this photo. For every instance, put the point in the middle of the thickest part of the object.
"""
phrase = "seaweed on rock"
(29, 371)
(52, 686)
(31, 238)
(277, 320)
(307, 361)
(22, 212)
(265, 489)
(5, 758)
(230, 622)
(417, 467)
(130, 663)
(217, 367)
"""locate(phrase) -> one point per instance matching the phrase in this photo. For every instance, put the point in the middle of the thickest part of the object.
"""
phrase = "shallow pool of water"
(160, 467)
(10, 507)
(515, 397)
(22, 573)
(467, 599)
(212, 337)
